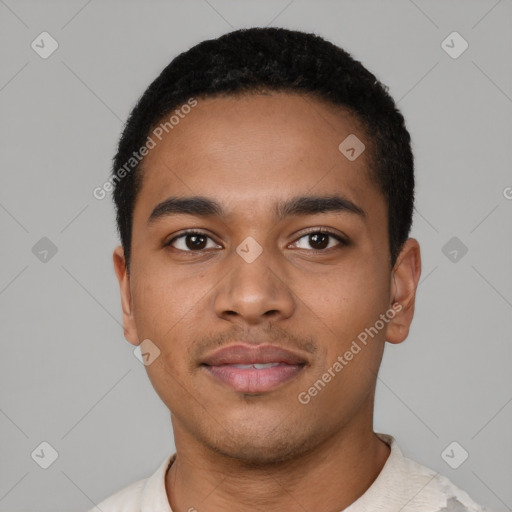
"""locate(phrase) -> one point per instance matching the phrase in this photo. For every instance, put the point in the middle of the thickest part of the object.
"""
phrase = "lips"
(253, 369)
(250, 354)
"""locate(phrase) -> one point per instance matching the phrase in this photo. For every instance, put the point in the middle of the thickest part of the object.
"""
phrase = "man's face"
(309, 294)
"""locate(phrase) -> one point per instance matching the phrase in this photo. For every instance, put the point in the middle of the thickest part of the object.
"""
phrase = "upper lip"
(247, 354)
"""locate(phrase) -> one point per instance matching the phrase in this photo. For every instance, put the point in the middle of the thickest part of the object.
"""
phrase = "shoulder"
(436, 492)
(125, 500)
(147, 494)
(408, 486)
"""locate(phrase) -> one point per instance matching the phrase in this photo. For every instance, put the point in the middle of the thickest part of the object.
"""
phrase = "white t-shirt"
(402, 485)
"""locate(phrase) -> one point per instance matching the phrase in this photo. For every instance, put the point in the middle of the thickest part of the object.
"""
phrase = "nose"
(254, 292)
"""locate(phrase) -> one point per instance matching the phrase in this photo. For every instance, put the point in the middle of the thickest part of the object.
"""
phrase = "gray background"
(68, 377)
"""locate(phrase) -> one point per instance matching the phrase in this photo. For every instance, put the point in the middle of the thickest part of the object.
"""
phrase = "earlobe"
(130, 330)
(404, 281)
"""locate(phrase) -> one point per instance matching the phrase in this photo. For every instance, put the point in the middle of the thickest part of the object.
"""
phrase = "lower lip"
(249, 380)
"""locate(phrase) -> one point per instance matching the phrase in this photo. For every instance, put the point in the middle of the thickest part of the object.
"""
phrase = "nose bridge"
(255, 287)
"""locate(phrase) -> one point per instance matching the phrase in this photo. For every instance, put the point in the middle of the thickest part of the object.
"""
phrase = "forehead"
(254, 149)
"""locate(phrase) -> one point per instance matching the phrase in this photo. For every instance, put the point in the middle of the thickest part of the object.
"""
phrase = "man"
(264, 189)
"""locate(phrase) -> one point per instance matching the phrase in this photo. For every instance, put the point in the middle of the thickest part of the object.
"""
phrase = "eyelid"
(191, 231)
(343, 240)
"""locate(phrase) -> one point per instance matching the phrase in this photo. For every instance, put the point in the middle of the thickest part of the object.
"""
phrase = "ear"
(404, 281)
(130, 329)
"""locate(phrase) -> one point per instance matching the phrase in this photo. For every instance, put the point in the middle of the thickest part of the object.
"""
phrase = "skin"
(241, 452)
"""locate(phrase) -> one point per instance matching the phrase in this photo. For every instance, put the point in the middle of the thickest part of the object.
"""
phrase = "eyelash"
(323, 231)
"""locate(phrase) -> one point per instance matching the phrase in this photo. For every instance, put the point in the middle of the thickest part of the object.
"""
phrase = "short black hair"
(274, 59)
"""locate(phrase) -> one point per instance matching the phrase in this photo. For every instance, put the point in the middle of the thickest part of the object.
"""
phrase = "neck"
(330, 477)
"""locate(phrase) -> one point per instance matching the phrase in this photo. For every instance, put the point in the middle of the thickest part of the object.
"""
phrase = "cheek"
(344, 300)
(167, 311)
(165, 299)
(350, 305)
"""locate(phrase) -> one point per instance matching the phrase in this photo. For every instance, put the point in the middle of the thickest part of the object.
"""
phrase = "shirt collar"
(154, 496)
(386, 480)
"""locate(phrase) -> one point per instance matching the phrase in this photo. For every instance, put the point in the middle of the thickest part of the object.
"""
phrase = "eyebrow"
(201, 206)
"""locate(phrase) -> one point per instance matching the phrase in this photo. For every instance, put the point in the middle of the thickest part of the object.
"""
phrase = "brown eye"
(191, 241)
(320, 240)
(195, 241)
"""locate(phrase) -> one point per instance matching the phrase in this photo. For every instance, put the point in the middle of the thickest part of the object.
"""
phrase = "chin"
(255, 449)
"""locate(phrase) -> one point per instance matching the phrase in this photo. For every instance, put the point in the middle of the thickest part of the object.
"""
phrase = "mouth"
(254, 368)
(255, 377)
